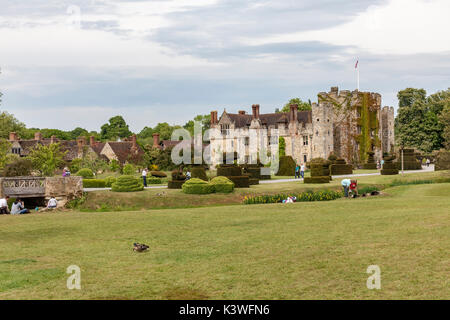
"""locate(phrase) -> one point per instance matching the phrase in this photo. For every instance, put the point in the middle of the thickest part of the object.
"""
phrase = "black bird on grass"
(140, 247)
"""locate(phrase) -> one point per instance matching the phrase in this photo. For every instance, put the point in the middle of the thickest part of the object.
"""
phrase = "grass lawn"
(315, 250)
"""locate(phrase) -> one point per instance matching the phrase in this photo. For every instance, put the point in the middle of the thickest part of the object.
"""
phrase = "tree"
(205, 121)
(5, 148)
(164, 129)
(417, 123)
(8, 123)
(301, 105)
(46, 159)
(116, 128)
(282, 146)
(444, 119)
(18, 168)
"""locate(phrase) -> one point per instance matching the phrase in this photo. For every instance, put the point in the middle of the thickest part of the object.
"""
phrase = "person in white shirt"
(302, 170)
(4, 205)
(188, 175)
(144, 177)
(52, 203)
(18, 207)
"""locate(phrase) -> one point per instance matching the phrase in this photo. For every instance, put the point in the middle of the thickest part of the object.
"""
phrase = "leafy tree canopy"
(116, 128)
(46, 159)
(301, 105)
(8, 123)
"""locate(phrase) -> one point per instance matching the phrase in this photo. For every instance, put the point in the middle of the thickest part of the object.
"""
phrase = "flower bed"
(324, 195)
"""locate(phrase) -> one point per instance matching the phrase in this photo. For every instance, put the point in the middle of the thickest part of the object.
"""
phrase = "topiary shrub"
(86, 173)
(340, 167)
(197, 186)
(389, 167)
(222, 184)
(94, 183)
(410, 161)
(158, 174)
(18, 168)
(442, 160)
(240, 181)
(175, 184)
(128, 169)
(320, 171)
(286, 166)
(127, 184)
(317, 179)
(199, 173)
(178, 175)
(109, 181)
(370, 161)
(228, 170)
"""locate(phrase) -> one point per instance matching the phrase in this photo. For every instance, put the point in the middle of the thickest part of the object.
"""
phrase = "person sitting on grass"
(18, 207)
(52, 203)
(4, 205)
(188, 175)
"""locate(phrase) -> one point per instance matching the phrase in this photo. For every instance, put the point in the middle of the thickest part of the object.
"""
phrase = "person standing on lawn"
(144, 176)
(346, 185)
(297, 171)
(302, 170)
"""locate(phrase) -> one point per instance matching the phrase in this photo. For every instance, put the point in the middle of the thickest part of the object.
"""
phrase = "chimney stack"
(255, 111)
(92, 140)
(241, 112)
(53, 139)
(13, 136)
(156, 138)
(134, 142)
(293, 113)
(214, 117)
(81, 141)
(38, 136)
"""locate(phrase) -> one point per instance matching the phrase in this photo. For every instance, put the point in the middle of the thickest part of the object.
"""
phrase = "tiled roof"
(123, 150)
(268, 119)
(98, 147)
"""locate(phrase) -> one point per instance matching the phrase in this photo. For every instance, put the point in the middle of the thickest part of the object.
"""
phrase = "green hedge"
(199, 173)
(317, 179)
(158, 174)
(197, 186)
(222, 184)
(154, 180)
(229, 170)
(85, 173)
(341, 169)
(443, 160)
(286, 166)
(369, 166)
(254, 172)
(127, 184)
(175, 184)
(325, 195)
(109, 181)
(240, 181)
(178, 175)
(94, 183)
(388, 172)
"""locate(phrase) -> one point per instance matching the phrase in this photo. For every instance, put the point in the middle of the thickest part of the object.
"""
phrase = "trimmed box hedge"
(240, 181)
(94, 183)
(227, 170)
(109, 181)
(286, 166)
(127, 184)
(175, 184)
(86, 173)
(154, 180)
(158, 174)
(317, 179)
(222, 184)
(197, 186)
(442, 160)
(199, 173)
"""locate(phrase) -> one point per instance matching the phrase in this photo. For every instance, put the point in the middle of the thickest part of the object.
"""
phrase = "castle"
(349, 124)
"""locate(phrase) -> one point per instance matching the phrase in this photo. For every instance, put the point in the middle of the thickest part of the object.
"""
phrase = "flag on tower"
(356, 65)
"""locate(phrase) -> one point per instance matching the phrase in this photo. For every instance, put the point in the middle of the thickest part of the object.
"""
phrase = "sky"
(67, 64)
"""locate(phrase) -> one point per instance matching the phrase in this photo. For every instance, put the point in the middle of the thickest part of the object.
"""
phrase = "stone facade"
(348, 124)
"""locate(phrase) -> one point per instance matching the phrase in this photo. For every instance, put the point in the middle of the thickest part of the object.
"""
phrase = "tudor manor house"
(333, 125)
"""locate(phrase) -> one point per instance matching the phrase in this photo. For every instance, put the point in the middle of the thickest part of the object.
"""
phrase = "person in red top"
(354, 187)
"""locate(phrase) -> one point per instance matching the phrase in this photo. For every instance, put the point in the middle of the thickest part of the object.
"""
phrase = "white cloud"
(397, 27)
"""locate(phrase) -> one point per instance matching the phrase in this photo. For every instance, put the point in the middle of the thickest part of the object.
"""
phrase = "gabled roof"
(267, 119)
(123, 150)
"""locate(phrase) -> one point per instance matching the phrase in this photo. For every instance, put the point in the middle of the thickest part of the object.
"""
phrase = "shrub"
(199, 173)
(339, 167)
(18, 168)
(94, 183)
(154, 181)
(240, 181)
(317, 179)
(158, 174)
(325, 195)
(410, 161)
(114, 165)
(370, 161)
(389, 168)
(86, 173)
(127, 184)
(178, 175)
(287, 166)
(222, 184)
(175, 184)
(228, 170)
(197, 186)
(443, 160)
(109, 181)
(128, 169)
